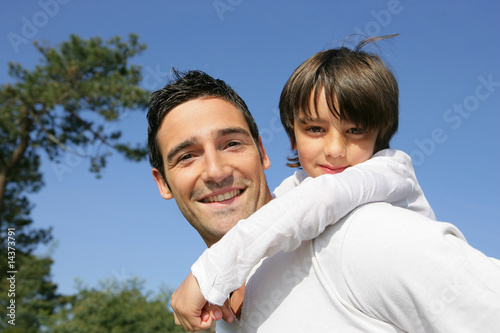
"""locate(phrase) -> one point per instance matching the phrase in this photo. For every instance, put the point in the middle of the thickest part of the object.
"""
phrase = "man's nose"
(215, 169)
(335, 145)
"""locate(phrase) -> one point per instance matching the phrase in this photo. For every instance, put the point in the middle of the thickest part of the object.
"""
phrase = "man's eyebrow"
(194, 141)
(183, 145)
(232, 130)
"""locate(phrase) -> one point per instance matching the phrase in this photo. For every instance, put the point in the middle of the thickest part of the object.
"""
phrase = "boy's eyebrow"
(194, 141)
(308, 119)
(303, 119)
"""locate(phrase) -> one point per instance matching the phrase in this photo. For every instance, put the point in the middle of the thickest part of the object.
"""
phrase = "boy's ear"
(162, 185)
(266, 162)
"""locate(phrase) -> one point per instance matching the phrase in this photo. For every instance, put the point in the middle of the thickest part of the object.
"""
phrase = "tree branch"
(16, 155)
(89, 128)
(23, 144)
(52, 137)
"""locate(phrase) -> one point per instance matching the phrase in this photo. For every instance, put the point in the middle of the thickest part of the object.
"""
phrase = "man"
(370, 272)
(206, 152)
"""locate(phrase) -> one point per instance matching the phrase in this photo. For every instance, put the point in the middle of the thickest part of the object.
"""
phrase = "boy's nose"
(215, 170)
(335, 145)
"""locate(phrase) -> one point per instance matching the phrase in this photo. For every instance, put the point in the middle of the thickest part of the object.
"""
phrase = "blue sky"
(445, 59)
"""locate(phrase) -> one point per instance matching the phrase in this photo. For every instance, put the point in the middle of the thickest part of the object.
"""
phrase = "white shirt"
(379, 269)
(301, 213)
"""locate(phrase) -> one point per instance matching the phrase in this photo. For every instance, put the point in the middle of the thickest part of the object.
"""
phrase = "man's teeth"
(222, 197)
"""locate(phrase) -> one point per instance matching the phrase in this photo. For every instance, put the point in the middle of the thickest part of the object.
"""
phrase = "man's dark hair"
(184, 87)
(364, 89)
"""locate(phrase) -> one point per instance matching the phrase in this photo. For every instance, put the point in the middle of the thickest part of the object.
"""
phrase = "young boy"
(339, 108)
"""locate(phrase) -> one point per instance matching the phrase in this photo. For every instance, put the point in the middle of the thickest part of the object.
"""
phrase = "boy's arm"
(192, 311)
(302, 214)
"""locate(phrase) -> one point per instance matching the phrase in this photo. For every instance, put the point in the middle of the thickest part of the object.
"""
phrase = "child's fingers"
(219, 312)
(193, 325)
(205, 316)
(188, 305)
(213, 310)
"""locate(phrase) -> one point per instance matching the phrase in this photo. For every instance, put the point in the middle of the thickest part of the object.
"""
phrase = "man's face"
(212, 166)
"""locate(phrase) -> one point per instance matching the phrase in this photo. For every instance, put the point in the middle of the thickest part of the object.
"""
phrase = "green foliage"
(69, 102)
(24, 178)
(115, 307)
(67, 99)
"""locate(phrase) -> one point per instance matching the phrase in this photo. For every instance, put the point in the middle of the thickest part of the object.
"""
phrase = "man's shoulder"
(386, 221)
(384, 212)
(375, 239)
(381, 229)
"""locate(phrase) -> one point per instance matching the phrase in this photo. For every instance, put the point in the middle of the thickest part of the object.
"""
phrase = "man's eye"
(185, 157)
(355, 130)
(232, 144)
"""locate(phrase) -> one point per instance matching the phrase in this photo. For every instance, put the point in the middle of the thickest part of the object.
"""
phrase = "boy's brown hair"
(358, 82)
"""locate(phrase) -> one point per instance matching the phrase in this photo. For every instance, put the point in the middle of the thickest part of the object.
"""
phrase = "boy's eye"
(355, 130)
(315, 129)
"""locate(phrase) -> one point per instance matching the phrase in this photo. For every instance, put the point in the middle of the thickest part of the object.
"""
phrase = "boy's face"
(327, 144)
(212, 165)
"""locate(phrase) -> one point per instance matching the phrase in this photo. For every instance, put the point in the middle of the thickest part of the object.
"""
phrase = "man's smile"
(222, 196)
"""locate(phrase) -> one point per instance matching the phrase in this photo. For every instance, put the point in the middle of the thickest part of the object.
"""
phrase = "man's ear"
(162, 185)
(266, 162)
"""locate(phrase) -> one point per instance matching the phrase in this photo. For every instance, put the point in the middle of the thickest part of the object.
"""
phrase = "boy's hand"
(192, 311)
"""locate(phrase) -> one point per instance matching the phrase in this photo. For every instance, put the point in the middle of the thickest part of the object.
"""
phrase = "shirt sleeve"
(302, 213)
(417, 274)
